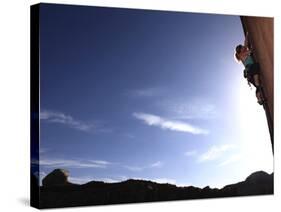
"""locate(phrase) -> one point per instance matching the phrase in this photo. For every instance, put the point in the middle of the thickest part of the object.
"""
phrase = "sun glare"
(255, 138)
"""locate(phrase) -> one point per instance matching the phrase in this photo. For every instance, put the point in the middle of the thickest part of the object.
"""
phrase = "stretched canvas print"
(132, 105)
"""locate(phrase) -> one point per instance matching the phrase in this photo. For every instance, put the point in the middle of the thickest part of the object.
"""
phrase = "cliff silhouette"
(57, 191)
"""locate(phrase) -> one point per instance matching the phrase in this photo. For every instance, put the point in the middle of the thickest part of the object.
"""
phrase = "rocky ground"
(58, 192)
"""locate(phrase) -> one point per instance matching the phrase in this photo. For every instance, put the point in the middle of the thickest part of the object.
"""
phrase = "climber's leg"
(259, 95)
(256, 80)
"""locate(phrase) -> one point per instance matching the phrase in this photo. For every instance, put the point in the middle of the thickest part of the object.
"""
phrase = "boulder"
(259, 177)
(56, 178)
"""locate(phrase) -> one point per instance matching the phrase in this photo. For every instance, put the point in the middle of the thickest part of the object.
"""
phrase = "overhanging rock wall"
(260, 33)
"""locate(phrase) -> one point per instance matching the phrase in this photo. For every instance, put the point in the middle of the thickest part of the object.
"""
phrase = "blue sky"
(146, 94)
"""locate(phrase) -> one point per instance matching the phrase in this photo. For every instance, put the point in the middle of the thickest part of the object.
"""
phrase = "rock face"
(57, 177)
(260, 31)
(135, 191)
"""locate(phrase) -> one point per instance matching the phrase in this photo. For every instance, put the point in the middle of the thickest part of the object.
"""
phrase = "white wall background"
(14, 103)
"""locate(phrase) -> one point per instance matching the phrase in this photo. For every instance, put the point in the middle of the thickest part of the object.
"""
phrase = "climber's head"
(238, 50)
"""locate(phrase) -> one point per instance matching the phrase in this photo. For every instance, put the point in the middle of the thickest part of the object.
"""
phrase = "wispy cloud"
(196, 108)
(43, 150)
(215, 152)
(157, 164)
(164, 180)
(129, 135)
(190, 153)
(134, 168)
(80, 180)
(67, 120)
(71, 163)
(232, 159)
(146, 92)
(166, 124)
(101, 162)
(64, 163)
(86, 179)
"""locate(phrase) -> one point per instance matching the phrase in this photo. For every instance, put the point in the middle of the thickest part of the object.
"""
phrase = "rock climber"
(252, 70)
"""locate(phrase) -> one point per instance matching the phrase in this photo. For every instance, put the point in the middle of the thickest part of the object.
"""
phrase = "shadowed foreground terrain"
(56, 191)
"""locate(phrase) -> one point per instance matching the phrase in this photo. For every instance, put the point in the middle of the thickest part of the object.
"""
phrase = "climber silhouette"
(243, 53)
